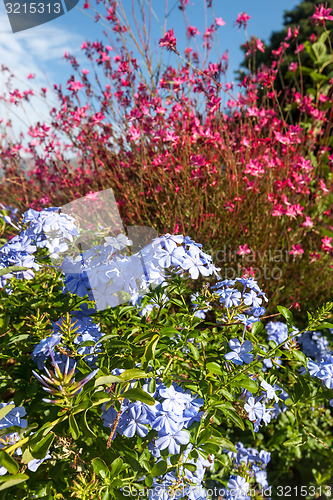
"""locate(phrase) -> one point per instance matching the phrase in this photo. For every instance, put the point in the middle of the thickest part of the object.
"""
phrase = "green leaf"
(75, 431)
(116, 467)
(234, 417)
(149, 481)
(245, 383)
(8, 462)
(286, 313)
(191, 467)
(295, 441)
(224, 443)
(41, 448)
(152, 386)
(149, 353)
(317, 77)
(159, 468)
(166, 332)
(26, 456)
(325, 325)
(107, 380)
(226, 394)
(86, 430)
(100, 468)
(204, 436)
(214, 368)
(256, 328)
(133, 374)
(9, 481)
(300, 356)
(194, 351)
(138, 394)
(12, 269)
(5, 410)
(310, 51)
(210, 448)
(320, 50)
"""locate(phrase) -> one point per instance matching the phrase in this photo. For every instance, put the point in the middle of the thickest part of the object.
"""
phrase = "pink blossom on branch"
(242, 19)
(192, 31)
(322, 14)
(260, 45)
(243, 250)
(296, 250)
(169, 41)
(75, 86)
(219, 21)
(326, 244)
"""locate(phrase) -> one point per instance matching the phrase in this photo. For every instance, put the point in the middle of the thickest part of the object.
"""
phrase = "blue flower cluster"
(322, 370)
(257, 409)
(255, 463)
(104, 271)
(248, 300)
(185, 484)
(278, 332)
(171, 416)
(240, 353)
(199, 311)
(85, 331)
(174, 411)
(315, 345)
(46, 229)
(14, 417)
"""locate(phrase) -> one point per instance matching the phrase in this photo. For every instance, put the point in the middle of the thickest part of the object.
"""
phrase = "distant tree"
(298, 18)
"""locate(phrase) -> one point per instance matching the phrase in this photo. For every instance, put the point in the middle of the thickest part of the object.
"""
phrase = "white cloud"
(40, 51)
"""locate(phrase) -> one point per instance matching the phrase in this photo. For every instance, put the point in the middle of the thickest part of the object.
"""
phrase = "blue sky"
(40, 50)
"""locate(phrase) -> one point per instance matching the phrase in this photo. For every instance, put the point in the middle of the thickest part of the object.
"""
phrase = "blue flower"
(251, 298)
(240, 352)
(246, 320)
(13, 417)
(230, 297)
(42, 350)
(166, 422)
(174, 401)
(133, 422)
(270, 391)
(172, 441)
(238, 487)
(254, 409)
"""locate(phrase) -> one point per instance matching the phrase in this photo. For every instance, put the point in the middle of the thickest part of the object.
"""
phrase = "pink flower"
(75, 86)
(296, 250)
(322, 14)
(299, 48)
(323, 186)
(134, 133)
(192, 31)
(169, 41)
(219, 21)
(314, 256)
(243, 250)
(326, 244)
(260, 45)
(308, 222)
(293, 67)
(31, 75)
(242, 19)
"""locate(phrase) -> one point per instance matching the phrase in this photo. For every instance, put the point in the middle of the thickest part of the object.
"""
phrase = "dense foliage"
(169, 394)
